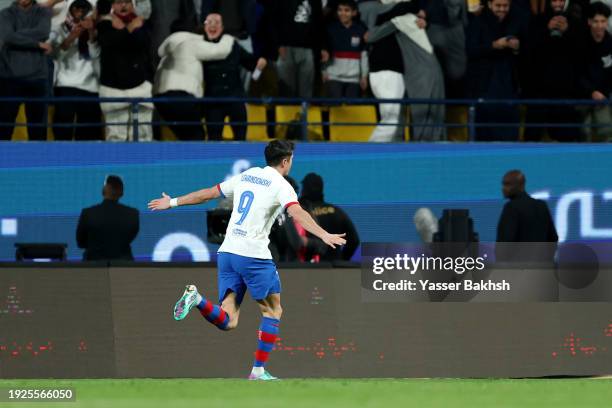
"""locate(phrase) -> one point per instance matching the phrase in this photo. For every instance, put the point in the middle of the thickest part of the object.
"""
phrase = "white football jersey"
(259, 196)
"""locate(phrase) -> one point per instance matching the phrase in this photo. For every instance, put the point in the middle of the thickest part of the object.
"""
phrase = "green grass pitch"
(340, 393)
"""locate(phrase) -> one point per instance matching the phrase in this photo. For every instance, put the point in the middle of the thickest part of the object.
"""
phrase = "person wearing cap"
(330, 217)
(106, 231)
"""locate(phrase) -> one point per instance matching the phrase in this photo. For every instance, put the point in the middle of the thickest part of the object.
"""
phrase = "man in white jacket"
(179, 75)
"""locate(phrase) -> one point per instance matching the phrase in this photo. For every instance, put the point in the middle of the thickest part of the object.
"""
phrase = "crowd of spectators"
(421, 49)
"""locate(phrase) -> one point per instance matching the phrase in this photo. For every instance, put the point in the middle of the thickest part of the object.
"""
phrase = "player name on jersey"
(255, 180)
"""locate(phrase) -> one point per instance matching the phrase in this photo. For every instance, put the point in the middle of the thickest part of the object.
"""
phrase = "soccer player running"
(244, 260)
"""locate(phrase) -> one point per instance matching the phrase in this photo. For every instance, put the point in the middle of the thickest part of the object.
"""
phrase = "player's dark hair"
(598, 8)
(277, 150)
(349, 3)
(113, 187)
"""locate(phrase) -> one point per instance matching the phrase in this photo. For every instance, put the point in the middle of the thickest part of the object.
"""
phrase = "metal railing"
(471, 105)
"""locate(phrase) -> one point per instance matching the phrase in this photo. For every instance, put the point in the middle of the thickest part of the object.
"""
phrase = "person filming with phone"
(494, 44)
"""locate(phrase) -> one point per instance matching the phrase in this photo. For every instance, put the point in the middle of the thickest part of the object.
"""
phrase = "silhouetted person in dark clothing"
(285, 241)
(494, 44)
(524, 219)
(290, 242)
(223, 80)
(596, 75)
(24, 67)
(555, 40)
(329, 216)
(106, 230)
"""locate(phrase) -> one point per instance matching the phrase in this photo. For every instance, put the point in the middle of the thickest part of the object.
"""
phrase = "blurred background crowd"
(186, 51)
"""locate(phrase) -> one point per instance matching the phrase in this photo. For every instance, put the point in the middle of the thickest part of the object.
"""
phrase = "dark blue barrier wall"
(43, 187)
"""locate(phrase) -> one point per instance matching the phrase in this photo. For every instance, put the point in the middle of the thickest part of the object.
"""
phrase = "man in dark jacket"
(494, 42)
(106, 230)
(331, 217)
(297, 35)
(446, 20)
(524, 219)
(222, 79)
(24, 29)
(596, 77)
(555, 39)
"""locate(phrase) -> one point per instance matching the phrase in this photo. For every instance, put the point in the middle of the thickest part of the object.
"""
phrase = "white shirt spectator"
(60, 11)
(180, 68)
(74, 70)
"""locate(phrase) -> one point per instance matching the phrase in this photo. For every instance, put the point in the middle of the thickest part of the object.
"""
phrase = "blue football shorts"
(237, 273)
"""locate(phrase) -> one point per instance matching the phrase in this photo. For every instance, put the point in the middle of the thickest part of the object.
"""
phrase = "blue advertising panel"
(44, 186)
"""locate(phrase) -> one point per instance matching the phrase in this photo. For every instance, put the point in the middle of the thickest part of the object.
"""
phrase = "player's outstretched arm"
(310, 225)
(197, 197)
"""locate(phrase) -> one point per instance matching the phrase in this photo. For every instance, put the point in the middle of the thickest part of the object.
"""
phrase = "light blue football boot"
(266, 376)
